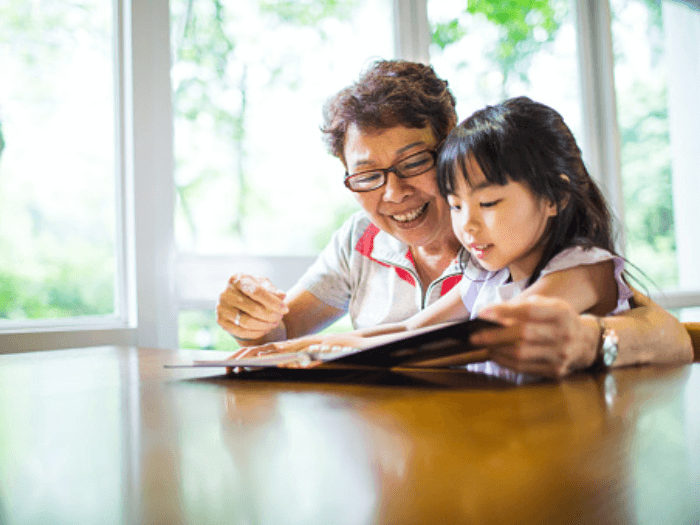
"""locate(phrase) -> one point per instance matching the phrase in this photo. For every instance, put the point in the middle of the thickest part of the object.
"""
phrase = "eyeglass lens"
(409, 167)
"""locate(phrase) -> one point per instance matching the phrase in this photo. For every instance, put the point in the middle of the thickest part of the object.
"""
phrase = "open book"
(435, 346)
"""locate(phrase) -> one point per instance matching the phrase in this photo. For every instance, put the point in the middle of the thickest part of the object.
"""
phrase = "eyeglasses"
(411, 166)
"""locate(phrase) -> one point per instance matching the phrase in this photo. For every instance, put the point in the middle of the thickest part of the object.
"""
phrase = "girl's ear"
(565, 199)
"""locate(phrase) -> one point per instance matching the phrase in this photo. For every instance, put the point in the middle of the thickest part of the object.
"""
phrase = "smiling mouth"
(479, 249)
(410, 216)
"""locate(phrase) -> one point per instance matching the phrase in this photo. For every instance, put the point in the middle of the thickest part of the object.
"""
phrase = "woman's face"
(412, 209)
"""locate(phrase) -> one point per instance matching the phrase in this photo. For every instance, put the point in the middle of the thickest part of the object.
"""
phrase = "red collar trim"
(450, 283)
(365, 246)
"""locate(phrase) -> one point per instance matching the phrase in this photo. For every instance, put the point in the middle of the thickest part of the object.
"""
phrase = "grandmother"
(399, 254)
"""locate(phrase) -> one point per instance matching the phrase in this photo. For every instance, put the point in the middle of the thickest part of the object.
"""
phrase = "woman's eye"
(489, 204)
(369, 177)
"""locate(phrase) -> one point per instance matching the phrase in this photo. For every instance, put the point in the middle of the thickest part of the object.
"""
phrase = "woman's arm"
(255, 312)
(547, 336)
(650, 334)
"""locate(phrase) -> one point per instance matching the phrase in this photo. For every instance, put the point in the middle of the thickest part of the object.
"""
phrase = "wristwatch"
(607, 347)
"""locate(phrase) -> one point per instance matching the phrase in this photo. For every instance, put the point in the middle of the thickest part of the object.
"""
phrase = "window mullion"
(411, 30)
(602, 137)
(149, 169)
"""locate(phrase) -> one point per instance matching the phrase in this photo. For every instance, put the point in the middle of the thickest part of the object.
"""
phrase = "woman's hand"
(540, 335)
(250, 307)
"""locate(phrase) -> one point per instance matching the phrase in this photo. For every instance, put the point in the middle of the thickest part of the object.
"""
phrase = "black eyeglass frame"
(391, 169)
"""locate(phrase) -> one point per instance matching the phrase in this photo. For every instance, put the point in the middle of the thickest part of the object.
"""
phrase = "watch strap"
(608, 346)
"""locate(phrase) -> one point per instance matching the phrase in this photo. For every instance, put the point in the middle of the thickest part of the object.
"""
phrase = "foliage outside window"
(57, 162)
(249, 81)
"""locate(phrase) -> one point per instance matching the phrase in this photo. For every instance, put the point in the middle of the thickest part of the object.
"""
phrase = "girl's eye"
(454, 207)
(489, 204)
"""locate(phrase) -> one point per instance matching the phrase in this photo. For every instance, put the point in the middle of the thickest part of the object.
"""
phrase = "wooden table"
(107, 435)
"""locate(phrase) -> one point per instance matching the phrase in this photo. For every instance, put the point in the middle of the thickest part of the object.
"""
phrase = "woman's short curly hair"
(390, 93)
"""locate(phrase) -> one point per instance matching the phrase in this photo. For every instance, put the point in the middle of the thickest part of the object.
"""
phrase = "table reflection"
(109, 436)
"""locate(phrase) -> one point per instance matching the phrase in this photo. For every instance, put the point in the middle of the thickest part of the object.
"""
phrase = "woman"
(399, 254)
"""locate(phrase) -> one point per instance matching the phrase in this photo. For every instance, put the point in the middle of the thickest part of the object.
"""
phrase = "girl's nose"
(470, 219)
(396, 189)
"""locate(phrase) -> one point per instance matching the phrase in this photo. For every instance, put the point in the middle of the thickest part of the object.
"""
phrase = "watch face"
(609, 349)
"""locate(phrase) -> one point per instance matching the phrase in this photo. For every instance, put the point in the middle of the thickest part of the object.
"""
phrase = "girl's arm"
(448, 308)
(587, 288)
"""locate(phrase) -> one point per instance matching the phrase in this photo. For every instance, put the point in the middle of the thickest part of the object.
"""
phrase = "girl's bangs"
(474, 141)
(451, 162)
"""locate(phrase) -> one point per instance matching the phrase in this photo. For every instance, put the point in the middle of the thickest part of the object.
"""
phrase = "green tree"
(646, 154)
(209, 47)
(524, 26)
(47, 269)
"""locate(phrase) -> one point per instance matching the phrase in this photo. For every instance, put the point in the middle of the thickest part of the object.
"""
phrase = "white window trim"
(601, 142)
(149, 171)
(601, 146)
(411, 30)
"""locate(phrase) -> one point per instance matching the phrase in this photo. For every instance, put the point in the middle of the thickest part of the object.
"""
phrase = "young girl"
(524, 206)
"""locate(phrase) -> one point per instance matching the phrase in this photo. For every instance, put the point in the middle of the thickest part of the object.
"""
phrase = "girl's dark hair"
(524, 141)
(390, 93)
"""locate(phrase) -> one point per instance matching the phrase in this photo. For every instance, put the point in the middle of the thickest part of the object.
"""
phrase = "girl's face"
(501, 226)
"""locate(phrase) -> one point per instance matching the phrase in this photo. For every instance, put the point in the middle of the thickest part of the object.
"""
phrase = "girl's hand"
(280, 347)
(314, 343)
(541, 335)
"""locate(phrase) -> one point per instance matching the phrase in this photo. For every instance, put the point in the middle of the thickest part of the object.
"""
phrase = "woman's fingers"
(257, 295)
(241, 325)
(250, 307)
(540, 335)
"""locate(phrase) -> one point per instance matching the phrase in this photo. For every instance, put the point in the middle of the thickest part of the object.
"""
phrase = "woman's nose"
(396, 188)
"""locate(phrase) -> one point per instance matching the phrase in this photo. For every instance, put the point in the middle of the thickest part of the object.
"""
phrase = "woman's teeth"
(406, 217)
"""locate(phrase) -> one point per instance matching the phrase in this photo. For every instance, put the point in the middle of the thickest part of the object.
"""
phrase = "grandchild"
(523, 205)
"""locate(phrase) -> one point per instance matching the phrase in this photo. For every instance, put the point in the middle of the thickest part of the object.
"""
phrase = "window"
(59, 206)
(550, 50)
(490, 51)
(57, 190)
(249, 156)
(80, 166)
(657, 55)
(247, 111)
(112, 198)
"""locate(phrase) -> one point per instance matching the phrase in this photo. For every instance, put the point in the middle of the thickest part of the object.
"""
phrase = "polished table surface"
(107, 435)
